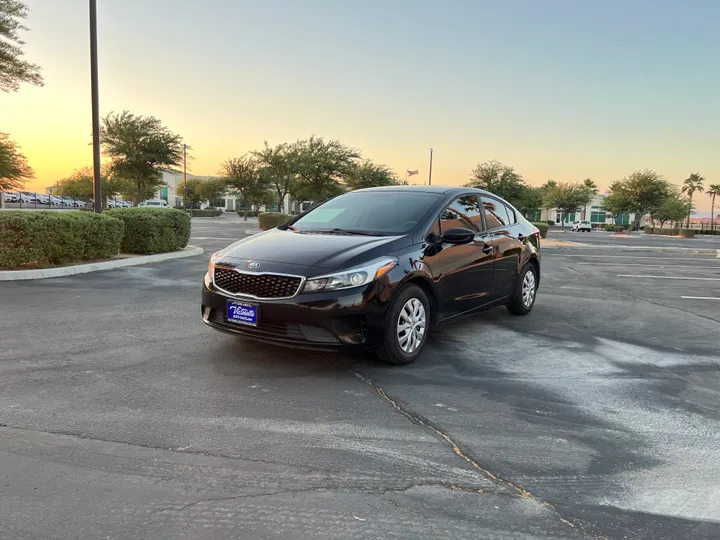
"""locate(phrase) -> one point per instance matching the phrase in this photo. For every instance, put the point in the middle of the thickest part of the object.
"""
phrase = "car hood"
(326, 252)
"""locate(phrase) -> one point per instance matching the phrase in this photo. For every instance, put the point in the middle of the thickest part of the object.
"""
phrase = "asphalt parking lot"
(598, 416)
(633, 240)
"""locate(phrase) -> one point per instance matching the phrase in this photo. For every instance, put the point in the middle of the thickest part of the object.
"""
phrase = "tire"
(409, 299)
(519, 304)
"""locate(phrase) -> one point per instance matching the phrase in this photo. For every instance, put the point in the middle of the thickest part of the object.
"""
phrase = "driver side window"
(463, 212)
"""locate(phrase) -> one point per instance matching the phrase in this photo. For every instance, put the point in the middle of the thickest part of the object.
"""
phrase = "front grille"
(257, 285)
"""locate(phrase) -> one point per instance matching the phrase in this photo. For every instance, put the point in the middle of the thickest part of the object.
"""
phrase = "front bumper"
(323, 321)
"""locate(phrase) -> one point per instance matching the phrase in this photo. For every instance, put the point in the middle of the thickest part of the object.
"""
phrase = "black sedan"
(375, 268)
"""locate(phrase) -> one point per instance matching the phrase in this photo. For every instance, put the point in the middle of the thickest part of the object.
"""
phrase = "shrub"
(543, 228)
(46, 238)
(687, 233)
(550, 222)
(663, 232)
(615, 228)
(208, 212)
(250, 213)
(269, 220)
(153, 230)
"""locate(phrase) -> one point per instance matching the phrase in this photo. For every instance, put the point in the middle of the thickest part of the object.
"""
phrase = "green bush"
(269, 220)
(208, 212)
(550, 222)
(662, 232)
(687, 233)
(46, 238)
(615, 228)
(153, 230)
(543, 228)
(250, 213)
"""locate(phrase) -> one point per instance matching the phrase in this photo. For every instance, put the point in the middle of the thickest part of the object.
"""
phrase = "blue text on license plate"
(240, 313)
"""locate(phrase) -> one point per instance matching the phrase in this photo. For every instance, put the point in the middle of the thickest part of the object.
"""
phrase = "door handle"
(487, 249)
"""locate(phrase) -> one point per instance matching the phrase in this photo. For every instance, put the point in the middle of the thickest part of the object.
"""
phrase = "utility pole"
(97, 188)
(430, 175)
(184, 176)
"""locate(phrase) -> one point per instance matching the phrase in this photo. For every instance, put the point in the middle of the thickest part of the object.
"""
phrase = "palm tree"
(713, 191)
(592, 187)
(692, 183)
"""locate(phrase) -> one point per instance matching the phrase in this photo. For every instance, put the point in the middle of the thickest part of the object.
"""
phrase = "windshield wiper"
(338, 230)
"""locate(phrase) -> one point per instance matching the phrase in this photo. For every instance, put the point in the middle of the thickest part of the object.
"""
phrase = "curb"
(640, 248)
(63, 271)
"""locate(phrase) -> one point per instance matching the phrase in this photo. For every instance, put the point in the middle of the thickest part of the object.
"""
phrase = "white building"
(592, 211)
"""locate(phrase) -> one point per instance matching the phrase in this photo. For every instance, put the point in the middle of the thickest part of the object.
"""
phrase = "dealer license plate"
(241, 313)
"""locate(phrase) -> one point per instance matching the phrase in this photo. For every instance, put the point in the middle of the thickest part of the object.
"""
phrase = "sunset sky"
(562, 89)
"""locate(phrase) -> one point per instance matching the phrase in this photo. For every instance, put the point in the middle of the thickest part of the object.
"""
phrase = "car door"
(462, 273)
(508, 242)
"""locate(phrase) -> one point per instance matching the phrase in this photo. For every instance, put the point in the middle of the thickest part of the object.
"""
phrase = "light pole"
(97, 188)
(430, 174)
(184, 176)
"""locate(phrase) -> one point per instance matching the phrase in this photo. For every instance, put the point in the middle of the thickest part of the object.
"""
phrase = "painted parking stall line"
(700, 297)
(648, 276)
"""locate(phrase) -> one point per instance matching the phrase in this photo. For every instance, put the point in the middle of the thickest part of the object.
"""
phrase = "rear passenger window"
(512, 218)
(496, 213)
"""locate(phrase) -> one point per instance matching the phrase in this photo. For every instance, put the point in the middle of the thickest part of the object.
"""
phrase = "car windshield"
(370, 212)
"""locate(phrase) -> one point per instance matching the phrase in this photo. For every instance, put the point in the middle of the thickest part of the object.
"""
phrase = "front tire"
(525, 291)
(406, 327)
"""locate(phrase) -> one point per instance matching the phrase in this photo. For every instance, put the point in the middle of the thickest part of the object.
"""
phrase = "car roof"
(445, 190)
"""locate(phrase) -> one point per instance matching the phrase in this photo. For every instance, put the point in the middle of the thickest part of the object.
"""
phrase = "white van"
(582, 226)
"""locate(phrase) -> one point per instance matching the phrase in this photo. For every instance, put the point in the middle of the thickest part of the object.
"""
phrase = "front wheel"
(525, 291)
(406, 326)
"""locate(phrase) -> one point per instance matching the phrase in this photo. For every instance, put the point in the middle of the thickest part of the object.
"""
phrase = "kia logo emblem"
(253, 265)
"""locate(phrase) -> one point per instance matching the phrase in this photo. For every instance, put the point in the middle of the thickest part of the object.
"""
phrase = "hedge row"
(153, 230)
(269, 220)
(46, 238)
(208, 212)
(678, 232)
(250, 213)
(542, 227)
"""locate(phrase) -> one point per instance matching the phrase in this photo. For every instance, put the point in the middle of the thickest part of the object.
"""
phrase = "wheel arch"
(425, 283)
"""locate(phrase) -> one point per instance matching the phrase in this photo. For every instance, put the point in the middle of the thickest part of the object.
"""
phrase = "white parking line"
(699, 298)
(647, 265)
(669, 277)
(214, 238)
(658, 256)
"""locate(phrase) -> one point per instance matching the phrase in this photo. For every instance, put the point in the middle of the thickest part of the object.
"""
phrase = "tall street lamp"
(97, 189)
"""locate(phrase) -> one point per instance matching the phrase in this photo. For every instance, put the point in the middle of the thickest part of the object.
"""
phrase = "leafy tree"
(243, 176)
(14, 168)
(368, 174)
(500, 179)
(190, 191)
(13, 69)
(641, 193)
(319, 166)
(140, 147)
(713, 191)
(531, 201)
(279, 168)
(79, 184)
(692, 183)
(212, 189)
(568, 198)
(673, 209)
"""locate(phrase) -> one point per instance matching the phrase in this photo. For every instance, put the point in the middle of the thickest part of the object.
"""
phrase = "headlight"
(354, 277)
(211, 269)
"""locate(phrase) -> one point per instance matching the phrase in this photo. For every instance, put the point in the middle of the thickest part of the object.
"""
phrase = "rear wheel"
(406, 326)
(526, 289)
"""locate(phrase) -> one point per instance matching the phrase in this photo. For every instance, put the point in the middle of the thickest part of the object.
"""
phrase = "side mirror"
(458, 236)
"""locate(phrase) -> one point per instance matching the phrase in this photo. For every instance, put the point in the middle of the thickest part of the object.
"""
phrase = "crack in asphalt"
(322, 489)
(82, 437)
(518, 490)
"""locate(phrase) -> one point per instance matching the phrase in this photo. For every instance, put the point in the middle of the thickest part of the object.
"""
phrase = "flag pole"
(430, 175)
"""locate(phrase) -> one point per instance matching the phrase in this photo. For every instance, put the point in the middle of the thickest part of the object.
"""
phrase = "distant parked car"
(154, 203)
(582, 226)
(11, 197)
(55, 200)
